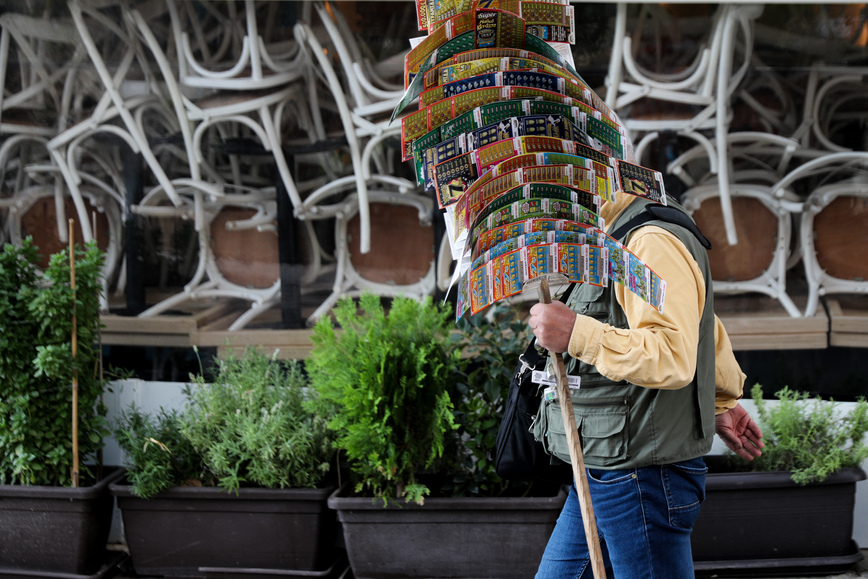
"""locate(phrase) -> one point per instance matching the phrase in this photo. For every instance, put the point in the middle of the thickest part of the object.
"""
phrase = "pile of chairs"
(201, 121)
(777, 172)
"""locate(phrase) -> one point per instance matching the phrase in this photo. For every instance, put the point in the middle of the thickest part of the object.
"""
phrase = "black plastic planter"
(198, 532)
(55, 530)
(501, 538)
(759, 523)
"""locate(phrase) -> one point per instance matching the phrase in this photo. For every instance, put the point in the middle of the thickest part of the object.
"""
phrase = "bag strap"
(655, 212)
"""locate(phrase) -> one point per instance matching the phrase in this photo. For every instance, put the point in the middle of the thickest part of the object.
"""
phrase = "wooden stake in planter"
(75, 471)
(556, 362)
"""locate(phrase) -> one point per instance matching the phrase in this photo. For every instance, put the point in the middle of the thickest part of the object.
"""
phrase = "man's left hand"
(739, 432)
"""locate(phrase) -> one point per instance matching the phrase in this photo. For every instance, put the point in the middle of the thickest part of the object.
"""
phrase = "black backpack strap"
(656, 212)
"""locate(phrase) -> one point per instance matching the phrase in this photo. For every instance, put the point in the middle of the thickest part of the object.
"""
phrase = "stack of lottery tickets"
(518, 150)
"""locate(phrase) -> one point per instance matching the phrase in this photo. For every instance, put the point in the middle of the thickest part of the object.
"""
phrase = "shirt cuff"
(585, 339)
(724, 404)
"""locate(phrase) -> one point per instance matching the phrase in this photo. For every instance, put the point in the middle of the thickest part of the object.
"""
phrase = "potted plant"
(412, 418)
(236, 481)
(43, 502)
(791, 508)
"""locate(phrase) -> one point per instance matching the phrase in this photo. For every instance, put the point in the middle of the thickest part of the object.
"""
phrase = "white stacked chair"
(833, 218)
(364, 104)
(220, 195)
(50, 88)
(702, 90)
(765, 222)
(355, 199)
(220, 45)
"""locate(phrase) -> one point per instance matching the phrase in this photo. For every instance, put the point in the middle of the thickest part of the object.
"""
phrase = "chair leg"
(254, 311)
(788, 304)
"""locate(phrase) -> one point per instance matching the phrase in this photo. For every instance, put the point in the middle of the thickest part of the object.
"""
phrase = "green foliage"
(252, 428)
(492, 342)
(160, 456)
(810, 437)
(248, 427)
(384, 380)
(37, 366)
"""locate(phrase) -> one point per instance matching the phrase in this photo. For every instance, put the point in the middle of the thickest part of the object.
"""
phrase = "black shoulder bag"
(518, 456)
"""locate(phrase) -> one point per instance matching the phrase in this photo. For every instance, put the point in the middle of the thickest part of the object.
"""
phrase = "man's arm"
(659, 348)
(732, 423)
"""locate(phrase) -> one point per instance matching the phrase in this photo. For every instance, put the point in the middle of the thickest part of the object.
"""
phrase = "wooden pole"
(75, 466)
(576, 457)
(99, 329)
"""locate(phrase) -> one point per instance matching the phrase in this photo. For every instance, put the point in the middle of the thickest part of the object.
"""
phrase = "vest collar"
(610, 211)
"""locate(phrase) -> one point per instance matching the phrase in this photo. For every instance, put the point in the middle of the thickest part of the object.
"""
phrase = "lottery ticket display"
(518, 150)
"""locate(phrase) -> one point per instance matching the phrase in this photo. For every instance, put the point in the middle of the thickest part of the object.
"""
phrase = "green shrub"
(37, 366)
(385, 381)
(252, 428)
(809, 436)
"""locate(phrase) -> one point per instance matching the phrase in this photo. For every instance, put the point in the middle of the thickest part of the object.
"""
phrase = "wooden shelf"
(289, 344)
(753, 322)
(206, 324)
(170, 330)
(756, 322)
(848, 317)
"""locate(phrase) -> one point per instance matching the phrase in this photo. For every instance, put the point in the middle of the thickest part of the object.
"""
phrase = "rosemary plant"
(810, 437)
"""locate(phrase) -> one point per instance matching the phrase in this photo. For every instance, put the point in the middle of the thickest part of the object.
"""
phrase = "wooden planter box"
(198, 532)
(55, 530)
(501, 538)
(764, 523)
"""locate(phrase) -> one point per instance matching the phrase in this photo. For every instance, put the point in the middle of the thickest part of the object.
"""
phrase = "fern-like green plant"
(809, 437)
(251, 425)
(385, 381)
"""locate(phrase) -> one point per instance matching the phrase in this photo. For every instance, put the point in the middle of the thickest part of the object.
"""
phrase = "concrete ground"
(859, 570)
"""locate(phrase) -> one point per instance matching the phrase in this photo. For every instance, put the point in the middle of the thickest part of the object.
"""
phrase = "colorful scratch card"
(510, 273)
(571, 262)
(638, 277)
(617, 259)
(641, 182)
(452, 176)
(537, 261)
(478, 288)
(597, 265)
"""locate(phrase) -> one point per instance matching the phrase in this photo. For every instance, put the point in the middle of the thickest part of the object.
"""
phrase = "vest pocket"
(602, 425)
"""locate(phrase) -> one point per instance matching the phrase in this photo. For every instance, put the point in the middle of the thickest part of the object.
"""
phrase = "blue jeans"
(644, 519)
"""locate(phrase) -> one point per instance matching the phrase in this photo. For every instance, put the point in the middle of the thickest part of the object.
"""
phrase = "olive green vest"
(627, 426)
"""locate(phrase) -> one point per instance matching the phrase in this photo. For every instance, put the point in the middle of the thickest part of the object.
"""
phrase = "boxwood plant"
(37, 366)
